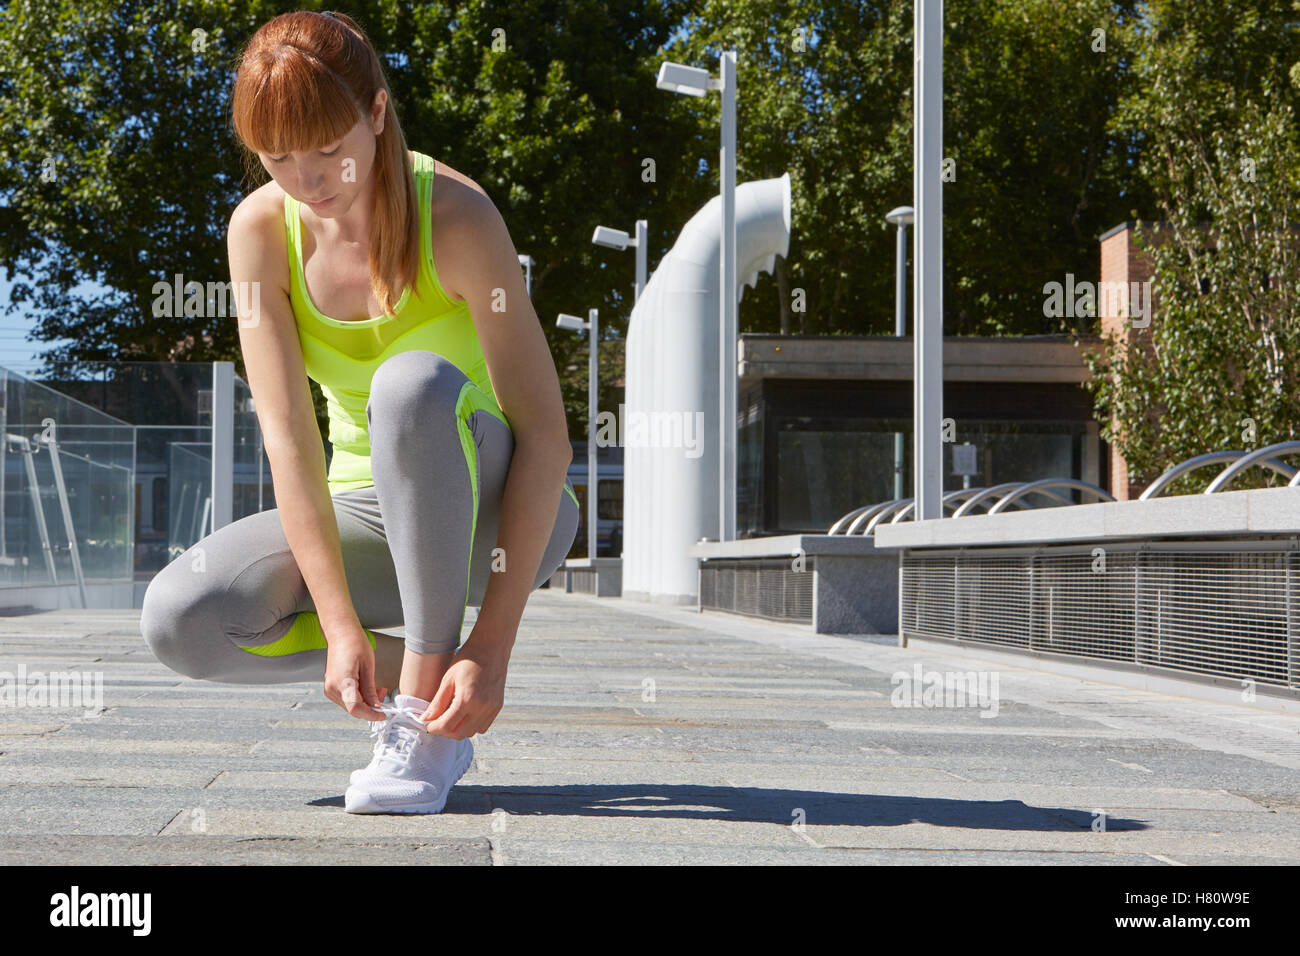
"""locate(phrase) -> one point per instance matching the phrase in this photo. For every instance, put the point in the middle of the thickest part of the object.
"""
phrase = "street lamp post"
(575, 323)
(902, 217)
(696, 82)
(618, 239)
(927, 182)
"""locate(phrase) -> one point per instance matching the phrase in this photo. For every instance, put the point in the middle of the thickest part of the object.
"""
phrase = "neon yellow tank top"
(342, 355)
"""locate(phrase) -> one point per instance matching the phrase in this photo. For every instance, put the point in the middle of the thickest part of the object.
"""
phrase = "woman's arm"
(485, 267)
(277, 378)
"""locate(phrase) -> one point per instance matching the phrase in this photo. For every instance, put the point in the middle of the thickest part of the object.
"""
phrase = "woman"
(447, 484)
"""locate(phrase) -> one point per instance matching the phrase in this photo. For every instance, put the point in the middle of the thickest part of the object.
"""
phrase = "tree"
(1030, 87)
(1216, 368)
(825, 93)
(115, 168)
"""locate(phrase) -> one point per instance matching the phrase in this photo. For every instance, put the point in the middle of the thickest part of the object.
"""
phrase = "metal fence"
(1217, 608)
(758, 587)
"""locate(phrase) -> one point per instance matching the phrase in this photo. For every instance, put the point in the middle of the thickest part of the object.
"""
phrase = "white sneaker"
(386, 706)
(377, 730)
(412, 770)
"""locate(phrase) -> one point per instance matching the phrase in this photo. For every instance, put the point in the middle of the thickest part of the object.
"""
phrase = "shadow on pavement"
(758, 805)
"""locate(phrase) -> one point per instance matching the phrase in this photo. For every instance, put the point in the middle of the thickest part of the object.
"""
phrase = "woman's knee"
(417, 381)
(179, 617)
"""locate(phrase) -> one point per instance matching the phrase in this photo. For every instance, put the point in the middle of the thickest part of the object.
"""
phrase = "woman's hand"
(472, 691)
(350, 673)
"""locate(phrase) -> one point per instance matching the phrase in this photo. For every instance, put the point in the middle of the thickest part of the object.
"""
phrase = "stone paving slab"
(635, 733)
(543, 852)
(202, 850)
(34, 778)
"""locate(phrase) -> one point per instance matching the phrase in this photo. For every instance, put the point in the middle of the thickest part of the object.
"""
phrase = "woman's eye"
(332, 151)
(277, 159)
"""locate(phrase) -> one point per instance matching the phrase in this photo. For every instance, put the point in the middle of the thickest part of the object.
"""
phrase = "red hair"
(303, 81)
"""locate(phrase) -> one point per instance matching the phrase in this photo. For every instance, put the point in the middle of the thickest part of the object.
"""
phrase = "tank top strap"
(423, 170)
(423, 163)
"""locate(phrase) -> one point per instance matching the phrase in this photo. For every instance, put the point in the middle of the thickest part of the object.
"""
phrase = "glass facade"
(811, 451)
(609, 501)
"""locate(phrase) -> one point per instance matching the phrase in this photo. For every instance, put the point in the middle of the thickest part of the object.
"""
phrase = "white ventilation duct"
(670, 499)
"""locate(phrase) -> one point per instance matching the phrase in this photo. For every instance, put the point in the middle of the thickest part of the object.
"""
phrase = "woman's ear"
(377, 111)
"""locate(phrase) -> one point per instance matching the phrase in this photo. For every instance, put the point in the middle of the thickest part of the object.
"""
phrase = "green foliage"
(1028, 93)
(1216, 111)
(115, 168)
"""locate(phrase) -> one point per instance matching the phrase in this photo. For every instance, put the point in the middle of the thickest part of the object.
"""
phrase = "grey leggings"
(413, 552)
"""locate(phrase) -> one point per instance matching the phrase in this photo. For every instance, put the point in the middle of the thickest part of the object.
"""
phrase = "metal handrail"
(990, 492)
(947, 500)
(49, 439)
(859, 516)
(960, 493)
(867, 514)
(1016, 497)
(1229, 474)
(835, 528)
(26, 448)
(30, 447)
(1211, 458)
(893, 507)
(1040, 487)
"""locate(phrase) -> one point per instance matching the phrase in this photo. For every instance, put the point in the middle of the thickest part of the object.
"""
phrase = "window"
(609, 506)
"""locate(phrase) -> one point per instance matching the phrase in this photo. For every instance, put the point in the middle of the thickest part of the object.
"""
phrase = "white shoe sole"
(359, 801)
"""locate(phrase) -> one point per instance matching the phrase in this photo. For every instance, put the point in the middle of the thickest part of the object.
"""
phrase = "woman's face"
(330, 179)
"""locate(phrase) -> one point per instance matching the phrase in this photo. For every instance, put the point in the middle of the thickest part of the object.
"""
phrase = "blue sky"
(16, 352)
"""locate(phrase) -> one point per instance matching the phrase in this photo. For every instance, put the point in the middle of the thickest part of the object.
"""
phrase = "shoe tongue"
(406, 702)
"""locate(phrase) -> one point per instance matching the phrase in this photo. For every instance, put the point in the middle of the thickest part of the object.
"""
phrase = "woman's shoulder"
(257, 235)
(260, 208)
(458, 207)
(453, 179)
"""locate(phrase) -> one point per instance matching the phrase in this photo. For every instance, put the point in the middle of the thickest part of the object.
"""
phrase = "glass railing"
(166, 409)
(190, 495)
(252, 492)
(67, 475)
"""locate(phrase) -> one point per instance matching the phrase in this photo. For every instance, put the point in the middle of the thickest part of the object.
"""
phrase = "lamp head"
(901, 216)
(682, 79)
(611, 238)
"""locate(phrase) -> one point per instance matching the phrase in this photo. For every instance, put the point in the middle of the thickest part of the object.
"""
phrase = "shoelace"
(397, 738)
